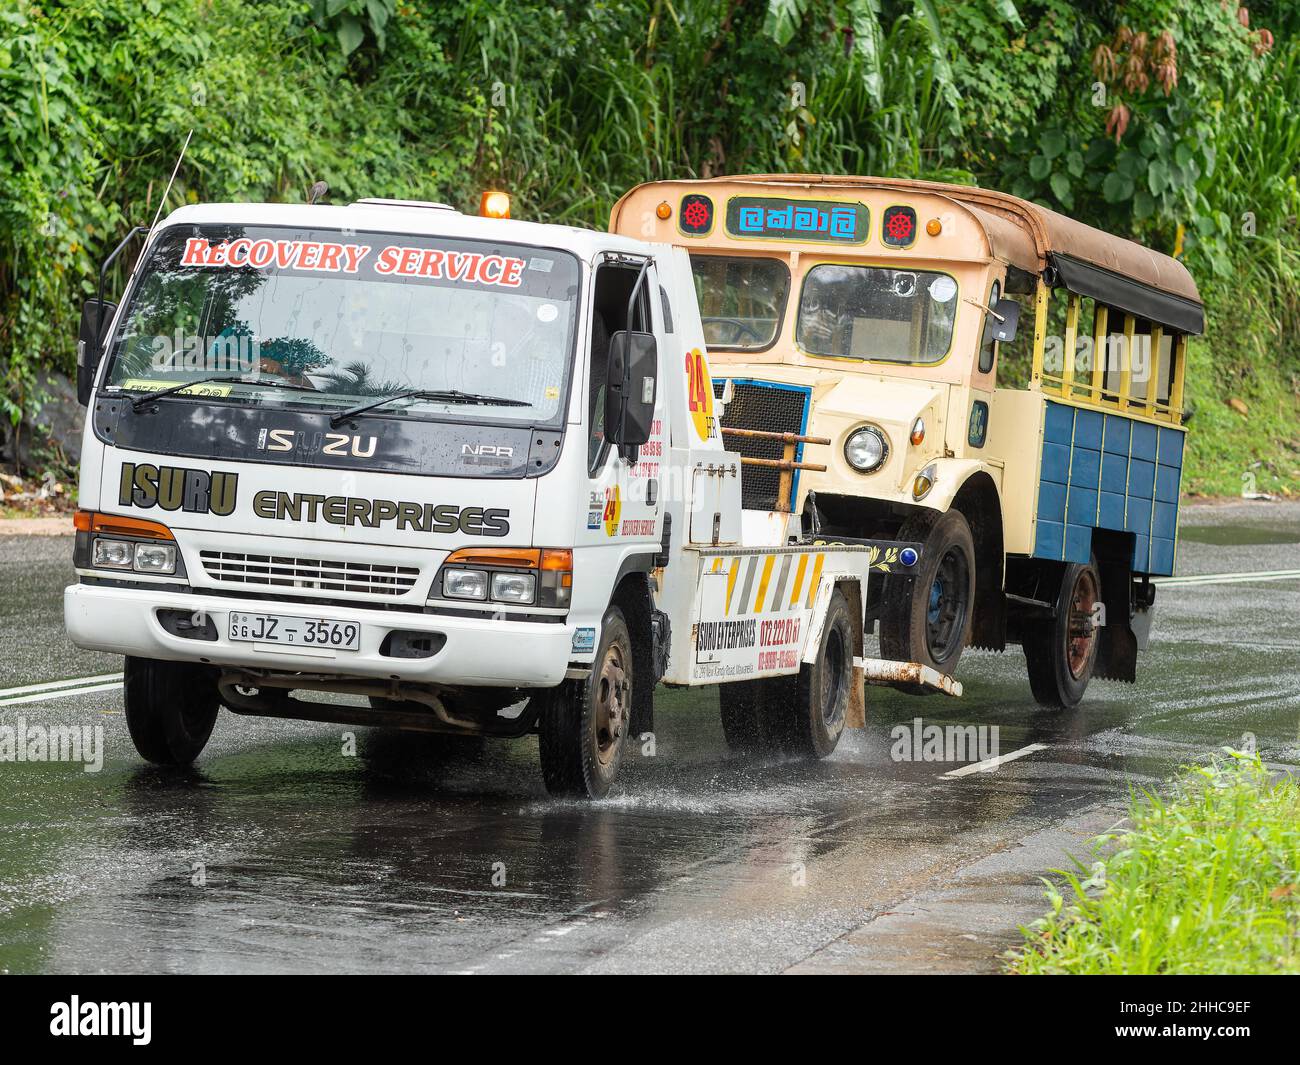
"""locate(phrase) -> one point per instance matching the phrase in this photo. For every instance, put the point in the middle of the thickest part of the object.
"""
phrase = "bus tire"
(822, 692)
(926, 617)
(583, 724)
(1060, 656)
(171, 708)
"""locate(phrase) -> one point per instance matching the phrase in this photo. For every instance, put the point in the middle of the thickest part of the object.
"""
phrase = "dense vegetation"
(1207, 881)
(1175, 121)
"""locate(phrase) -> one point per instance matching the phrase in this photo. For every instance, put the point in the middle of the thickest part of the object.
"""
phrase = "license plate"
(304, 632)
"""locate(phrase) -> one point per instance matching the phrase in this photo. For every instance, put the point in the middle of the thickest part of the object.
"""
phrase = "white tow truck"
(389, 464)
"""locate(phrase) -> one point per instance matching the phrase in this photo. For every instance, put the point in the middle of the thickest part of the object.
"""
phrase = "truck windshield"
(347, 317)
(873, 312)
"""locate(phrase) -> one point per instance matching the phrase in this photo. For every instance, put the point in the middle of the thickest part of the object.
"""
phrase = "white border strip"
(50, 685)
(60, 694)
(989, 764)
(1229, 578)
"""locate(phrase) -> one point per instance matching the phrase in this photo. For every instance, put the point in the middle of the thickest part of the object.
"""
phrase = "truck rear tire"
(926, 618)
(583, 724)
(171, 708)
(1060, 654)
(739, 706)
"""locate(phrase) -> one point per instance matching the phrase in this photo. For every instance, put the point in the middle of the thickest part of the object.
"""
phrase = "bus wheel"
(583, 724)
(170, 709)
(926, 617)
(1061, 655)
(822, 693)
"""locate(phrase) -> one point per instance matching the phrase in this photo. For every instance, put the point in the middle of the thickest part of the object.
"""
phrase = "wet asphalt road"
(281, 852)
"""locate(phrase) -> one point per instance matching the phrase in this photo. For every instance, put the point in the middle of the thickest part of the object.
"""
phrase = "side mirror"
(96, 317)
(1005, 330)
(630, 393)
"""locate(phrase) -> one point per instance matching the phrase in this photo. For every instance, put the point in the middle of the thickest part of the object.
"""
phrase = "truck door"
(624, 501)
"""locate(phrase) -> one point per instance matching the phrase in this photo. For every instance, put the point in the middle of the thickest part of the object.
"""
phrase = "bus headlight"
(866, 449)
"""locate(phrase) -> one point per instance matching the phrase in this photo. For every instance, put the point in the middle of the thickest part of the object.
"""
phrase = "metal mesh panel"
(772, 410)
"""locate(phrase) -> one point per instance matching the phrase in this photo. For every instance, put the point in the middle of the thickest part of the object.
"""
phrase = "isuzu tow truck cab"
(441, 473)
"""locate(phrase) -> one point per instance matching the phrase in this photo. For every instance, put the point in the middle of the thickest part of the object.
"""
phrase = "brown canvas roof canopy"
(1110, 269)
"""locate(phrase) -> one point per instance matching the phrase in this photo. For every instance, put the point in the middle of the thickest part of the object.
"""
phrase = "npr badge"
(584, 641)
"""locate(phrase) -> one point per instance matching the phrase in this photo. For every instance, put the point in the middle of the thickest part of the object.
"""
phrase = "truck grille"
(282, 571)
(771, 408)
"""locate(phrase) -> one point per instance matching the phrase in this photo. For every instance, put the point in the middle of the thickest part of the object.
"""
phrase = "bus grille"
(281, 571)
(773, 409)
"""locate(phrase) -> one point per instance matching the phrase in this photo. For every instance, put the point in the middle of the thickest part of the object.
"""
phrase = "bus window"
(1113, 356)
(873, 312)
(742, 300)
(989, 346)
(1162, 369)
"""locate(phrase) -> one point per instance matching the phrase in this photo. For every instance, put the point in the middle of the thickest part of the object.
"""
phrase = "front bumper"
(478, 652)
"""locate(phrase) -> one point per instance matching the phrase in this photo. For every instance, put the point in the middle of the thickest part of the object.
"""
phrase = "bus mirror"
(630, 395)
(1003, 320)
(96, 316)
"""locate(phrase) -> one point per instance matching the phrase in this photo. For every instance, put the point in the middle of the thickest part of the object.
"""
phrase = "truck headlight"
(514, 587)
(866, 449)
(113, 554)
(155, 558)
(465, 584)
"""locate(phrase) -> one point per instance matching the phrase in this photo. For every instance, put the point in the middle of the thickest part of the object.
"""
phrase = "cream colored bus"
(954, 367)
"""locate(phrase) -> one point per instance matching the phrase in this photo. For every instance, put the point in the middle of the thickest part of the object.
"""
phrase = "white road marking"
(70, 683)
(990, 764)
(1229, 578)
(60, 694)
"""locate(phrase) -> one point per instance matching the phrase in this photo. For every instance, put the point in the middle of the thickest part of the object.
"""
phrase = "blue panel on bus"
(1085, 466)
(1058, 424)
(1114, 472)
(1110, 511)
(1056, 462)
(1088, 427)
(1118, 435)
(1144, 441)
(1103, 470)
(1051, 501)
(1171, 448)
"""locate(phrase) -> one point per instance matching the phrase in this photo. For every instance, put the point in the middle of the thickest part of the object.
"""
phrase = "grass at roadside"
(1206, 881)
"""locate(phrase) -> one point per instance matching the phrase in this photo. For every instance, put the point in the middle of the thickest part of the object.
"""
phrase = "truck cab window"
(613, 289)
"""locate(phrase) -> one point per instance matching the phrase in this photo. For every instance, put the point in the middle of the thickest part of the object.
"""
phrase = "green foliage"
(1207, 881)
(568, 104)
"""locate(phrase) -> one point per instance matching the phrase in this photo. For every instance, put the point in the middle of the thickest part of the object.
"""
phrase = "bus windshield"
(340, 318)
(873, 312)
(742, 299)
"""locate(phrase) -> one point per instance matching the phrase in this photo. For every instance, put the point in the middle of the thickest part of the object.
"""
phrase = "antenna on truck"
(171, 180)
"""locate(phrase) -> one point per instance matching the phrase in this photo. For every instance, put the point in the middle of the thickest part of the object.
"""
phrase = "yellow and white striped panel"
(770, 584)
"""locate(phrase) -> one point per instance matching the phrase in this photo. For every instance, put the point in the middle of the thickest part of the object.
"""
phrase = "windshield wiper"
(449, 395)
(224, 379)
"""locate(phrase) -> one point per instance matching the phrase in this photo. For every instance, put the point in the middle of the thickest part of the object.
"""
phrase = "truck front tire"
(583, 724)
(926, 618)
(171, 708)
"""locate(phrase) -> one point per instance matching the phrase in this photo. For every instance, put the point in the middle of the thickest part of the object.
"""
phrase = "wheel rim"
(611, 704)
(945, 615)
(832, 678)
(1081, 631)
